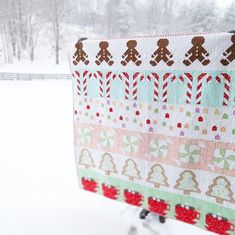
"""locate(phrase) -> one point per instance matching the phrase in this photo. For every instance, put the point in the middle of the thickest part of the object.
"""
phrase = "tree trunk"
(219, 200)
(131, 178)
(156, 185)
(187, 192)
(57, 41)
(32, 54)
(57, 51)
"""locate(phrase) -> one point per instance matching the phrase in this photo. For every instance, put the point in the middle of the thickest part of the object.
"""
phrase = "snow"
(39, 192)
(33, 68)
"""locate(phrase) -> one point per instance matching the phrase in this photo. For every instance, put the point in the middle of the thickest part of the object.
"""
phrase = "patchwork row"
(162, 53)
(187, 182)
(168, 87)
(183, 212)
(171, 120)
(219, 158)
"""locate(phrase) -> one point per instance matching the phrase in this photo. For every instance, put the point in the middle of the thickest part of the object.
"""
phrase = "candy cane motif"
(127, 84)
(187, 77)
(99, 75)
(86, 75)
(200, 79)
(82, 82)
(109, 77)
(131, 85)
(155, 77)
(78, 82)
(105, 85)
(227, 84)
(135, 83)
(165, 85)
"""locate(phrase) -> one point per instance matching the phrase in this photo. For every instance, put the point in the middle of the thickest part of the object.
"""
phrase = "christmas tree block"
(154, 121)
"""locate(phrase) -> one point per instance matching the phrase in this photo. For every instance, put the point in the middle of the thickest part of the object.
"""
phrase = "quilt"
(154, 124)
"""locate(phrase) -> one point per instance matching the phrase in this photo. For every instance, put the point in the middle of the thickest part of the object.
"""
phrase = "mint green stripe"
(173, 199)
(212, 93)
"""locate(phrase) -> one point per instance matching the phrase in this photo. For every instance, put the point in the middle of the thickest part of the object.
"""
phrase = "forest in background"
(42, 30)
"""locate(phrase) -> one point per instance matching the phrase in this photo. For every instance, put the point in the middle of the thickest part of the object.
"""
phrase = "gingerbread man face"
(197, 52)
(104, 54)
(131, 44)
(103, 45)
(229, 54)
(79, 45)
(163, 42)
(162, 53)
(131, 54)
(198, 41)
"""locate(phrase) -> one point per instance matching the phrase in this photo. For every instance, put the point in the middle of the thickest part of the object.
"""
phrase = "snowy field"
(39, 192)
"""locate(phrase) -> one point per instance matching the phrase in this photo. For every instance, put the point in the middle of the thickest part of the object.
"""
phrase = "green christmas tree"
(187, 182)
(221, 190)
(85, 159)
(157, 176)
(107, 164)
(130, 169)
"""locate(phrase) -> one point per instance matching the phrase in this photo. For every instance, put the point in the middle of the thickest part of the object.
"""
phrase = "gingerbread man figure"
(104, 54)
(80, 55)
(229, 53)
(131, 54)
(162, 53)
(197, 52)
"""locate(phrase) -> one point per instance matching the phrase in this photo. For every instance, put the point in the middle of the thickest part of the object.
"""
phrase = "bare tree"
(35, 23)
(4, 23)
(56, 12)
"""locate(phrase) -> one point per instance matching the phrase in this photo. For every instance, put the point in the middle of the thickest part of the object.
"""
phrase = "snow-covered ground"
(39, 192)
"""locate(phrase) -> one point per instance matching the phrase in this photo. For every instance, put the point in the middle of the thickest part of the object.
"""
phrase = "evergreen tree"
(85, 159)
(187, 182)
(221, 190)
(130, 169)
(157, 176)
(107, 164)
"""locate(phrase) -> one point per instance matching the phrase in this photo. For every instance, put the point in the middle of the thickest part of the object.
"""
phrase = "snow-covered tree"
(55, 10)
(111, 16)
(202, 16)
(35, 23)
(228, 20)
(160, 16)
(125, 20)
(119, 17)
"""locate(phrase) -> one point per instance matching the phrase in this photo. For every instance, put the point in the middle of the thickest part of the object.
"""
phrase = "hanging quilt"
(154, 121)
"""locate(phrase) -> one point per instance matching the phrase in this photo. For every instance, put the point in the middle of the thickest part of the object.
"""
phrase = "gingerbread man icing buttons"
(80, 54)
(104, 54)
(197, 52)
(131, 54)
(162, 53)
(229, 54)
